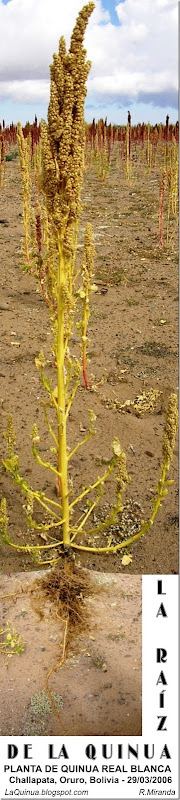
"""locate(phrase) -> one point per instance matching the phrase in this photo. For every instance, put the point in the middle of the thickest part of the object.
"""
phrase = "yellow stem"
(46, 464)
(61, 404)
(86, 439)
(85, 518)
(111, 549)
(44, 527)
(53, 502)
(136, 536)
(72, 398)
(102, 525)
(28, 547)
(93, 486)
(50, 427)
(52, 514)
(48, 389)
(51, 561)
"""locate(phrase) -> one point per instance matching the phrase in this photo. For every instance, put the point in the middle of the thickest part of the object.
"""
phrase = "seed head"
(40, 361)
(170, 429)
(88, 258)
(10, 435)
(64, 136)
(3, 518)
(35, 435)
(29, 503)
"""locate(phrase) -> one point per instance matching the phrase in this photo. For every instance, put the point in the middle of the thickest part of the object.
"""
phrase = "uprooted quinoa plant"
(50, 245)
(61, 176)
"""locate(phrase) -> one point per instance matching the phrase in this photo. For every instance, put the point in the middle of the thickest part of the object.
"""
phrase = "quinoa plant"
(128, 147)
(2, 161)
(62, 141)
(25, 164)
(101, 156)
(10, 642)
(149, 149)
(60, 176)
(87, 270)
(169, 186)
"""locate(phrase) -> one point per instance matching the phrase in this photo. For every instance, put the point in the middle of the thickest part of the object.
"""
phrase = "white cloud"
(135, 60)
(29, 91)
(126, 82)
(167, 4)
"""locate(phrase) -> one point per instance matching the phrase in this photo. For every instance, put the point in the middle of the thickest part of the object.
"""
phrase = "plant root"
(54, 669)
(12, 594)
(66, 589)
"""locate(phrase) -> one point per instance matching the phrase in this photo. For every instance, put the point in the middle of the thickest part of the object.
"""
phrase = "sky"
(132, 44)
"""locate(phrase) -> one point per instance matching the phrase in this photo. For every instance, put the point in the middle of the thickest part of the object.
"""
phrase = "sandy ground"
(98, 689)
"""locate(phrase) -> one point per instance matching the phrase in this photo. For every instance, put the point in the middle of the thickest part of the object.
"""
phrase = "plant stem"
(61, 404)
(84, 365)
(162, 188)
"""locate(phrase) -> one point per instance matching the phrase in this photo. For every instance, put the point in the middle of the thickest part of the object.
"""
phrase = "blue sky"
(110, 6)
(132, 45)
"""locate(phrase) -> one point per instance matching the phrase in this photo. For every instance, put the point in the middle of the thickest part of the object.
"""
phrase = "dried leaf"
(126, 560)
(116, 447)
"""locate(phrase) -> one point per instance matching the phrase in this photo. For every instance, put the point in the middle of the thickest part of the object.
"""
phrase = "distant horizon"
(89, 121)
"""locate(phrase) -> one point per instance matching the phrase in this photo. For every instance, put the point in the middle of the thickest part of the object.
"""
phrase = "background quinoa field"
(133, 348)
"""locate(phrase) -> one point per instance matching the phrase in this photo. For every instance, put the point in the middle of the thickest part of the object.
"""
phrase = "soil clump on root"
(66, 588)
